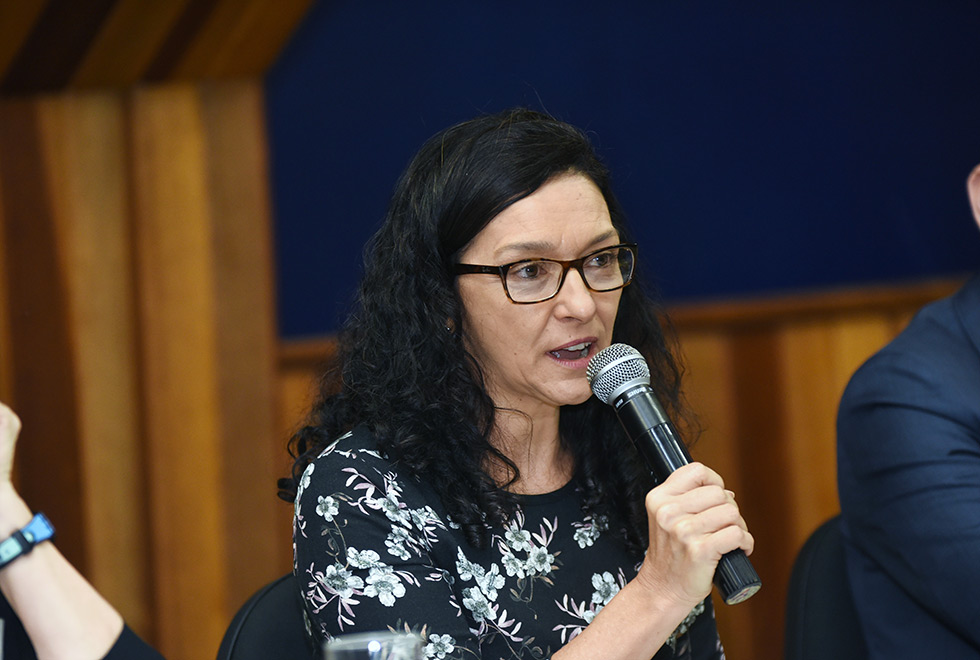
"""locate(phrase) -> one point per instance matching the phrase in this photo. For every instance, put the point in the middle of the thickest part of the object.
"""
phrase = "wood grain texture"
(58, 45)
(240, 37)
(138, 343)
(245, 325)
(182, 408)
(84, 146)
(137, 320)
(6, 344)
(127, 42)
(17, 19)
(41, 360)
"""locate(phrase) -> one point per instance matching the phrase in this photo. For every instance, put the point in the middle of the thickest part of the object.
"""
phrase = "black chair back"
(269, 626)
(821, 620)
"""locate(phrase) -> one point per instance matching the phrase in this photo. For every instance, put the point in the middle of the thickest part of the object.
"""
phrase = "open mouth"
(574, 352)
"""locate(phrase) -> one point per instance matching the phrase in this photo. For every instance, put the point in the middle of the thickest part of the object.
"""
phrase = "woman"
(62, 615)
(457, 479)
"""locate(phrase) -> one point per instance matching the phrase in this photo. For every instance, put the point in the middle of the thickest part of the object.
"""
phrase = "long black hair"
(402, 368)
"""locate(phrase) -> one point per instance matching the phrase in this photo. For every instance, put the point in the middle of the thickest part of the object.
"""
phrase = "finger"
(690, 476)
(732, 538)
(711, 547)
(705, 523)
(9, 421)
(690, 502)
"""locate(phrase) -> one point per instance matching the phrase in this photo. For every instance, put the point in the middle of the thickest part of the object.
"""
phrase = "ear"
(973, 189)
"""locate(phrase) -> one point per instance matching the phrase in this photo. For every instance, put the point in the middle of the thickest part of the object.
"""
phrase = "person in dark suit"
(908, 460)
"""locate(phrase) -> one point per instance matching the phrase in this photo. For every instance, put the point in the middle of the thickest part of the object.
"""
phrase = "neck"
(534, 445)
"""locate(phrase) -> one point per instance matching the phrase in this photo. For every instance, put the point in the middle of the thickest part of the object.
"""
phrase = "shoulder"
(355, 452)
(935, 358)
(918, 395)
(353, 469)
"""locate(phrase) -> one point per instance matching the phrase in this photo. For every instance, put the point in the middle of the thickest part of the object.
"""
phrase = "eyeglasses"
(536, 280)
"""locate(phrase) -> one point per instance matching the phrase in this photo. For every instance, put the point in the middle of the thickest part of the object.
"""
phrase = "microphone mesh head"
(613, 367)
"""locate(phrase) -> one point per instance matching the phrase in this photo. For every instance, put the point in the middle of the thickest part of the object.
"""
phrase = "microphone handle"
(661, 447)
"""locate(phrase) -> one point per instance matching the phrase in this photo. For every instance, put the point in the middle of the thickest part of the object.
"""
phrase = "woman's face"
(534, 356)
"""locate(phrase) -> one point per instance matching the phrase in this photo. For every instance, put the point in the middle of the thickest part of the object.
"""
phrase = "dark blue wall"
(757, 147)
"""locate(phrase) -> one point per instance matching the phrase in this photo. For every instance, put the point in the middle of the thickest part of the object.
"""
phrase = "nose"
(575, 299)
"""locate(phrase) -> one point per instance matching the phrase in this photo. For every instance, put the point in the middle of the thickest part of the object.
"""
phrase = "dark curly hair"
(403, 371)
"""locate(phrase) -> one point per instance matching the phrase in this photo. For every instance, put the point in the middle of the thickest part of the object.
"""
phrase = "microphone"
(620, 377)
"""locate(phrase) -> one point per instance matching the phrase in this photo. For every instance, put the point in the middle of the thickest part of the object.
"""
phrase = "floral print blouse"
(374, 550)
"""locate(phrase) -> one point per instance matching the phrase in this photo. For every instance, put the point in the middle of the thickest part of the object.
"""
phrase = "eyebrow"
(531, 247)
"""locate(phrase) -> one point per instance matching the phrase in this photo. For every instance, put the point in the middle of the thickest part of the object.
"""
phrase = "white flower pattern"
(327, 507)
(605, 588)
(439, 646)
(383, 584)
(363, 534)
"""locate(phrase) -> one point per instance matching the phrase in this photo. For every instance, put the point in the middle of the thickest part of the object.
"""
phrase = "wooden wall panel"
(177, 295)
(127, 43)
(17, 19)
(84, 144)
(761, 416)
(56, 45)
(240, 37)
(41, 360)
(242, 258)
(6, 345)
(205, 291)
(138, 344)
(708, 358)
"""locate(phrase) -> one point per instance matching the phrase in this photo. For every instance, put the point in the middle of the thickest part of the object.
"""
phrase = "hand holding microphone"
(620, 377)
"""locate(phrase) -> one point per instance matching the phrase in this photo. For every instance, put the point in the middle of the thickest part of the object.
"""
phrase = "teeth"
(578, 347)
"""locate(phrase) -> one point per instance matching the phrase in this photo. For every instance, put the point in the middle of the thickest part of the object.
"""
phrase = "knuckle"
(665, 514)
(684, 528)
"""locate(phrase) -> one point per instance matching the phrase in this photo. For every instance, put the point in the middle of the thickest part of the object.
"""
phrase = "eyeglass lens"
(539, 279)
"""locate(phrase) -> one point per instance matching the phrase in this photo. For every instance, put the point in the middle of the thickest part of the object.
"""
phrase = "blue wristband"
(23, 541)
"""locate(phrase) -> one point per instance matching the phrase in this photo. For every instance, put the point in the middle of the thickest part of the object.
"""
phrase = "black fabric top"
(17, 645)
(374, 550)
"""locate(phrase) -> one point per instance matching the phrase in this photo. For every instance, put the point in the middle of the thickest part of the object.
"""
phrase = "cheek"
(502, 336)
(609, 310)
(482, 327)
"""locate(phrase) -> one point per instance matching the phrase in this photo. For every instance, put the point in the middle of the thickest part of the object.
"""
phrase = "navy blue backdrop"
(757, 147)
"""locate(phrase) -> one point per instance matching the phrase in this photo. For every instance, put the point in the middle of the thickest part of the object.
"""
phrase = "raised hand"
(9, 430)
(693, 521)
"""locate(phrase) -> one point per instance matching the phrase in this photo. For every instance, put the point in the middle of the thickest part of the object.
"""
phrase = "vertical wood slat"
(245, 322)
(6, 343)
(85, 147)
(40, 362)
(818, 359)
(760, 419)
(709, 371)
(177, 296)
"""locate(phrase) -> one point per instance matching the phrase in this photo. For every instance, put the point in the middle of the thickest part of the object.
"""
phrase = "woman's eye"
(527, 271)
(601, 260)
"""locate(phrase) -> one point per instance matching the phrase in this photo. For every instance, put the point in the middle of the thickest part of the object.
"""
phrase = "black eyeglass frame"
(501, 271)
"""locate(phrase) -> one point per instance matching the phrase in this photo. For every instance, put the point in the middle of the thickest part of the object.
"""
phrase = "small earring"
(450, 326)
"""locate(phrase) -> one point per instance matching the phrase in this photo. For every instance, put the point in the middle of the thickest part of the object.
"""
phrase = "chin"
(574, 398)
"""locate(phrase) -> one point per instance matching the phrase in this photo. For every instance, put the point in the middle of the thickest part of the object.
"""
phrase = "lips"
(573, 352)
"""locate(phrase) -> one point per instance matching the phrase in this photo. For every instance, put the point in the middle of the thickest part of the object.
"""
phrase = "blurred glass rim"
(385, 640)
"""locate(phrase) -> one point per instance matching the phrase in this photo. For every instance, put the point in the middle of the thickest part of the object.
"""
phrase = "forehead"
(563, 217)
